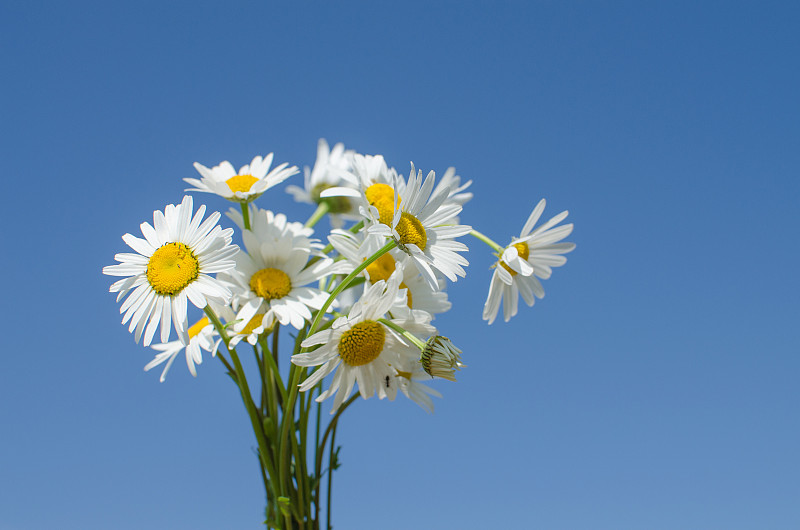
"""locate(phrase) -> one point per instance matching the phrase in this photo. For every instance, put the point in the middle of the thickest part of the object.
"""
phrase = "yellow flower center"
(523, 251)
(270, 283)
(252, 324)
(241, 183)
(171, 268)
(411, 231)
(381, 196)
(197, 327)
(381, 268)
(362, 343)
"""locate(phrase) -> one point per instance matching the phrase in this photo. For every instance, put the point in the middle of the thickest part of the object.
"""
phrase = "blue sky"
(653, 387)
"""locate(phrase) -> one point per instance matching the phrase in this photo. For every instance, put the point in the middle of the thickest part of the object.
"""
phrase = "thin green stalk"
(405, 333)
(317, 450)
(304, 450)
(272, 382)
(296, 372)
(273, 369)
(349, 278)
(487, 240)
(322, 209)
(255, 418)
(263, 375)
(300, 456)
(321, 450)
(275, 331)
(226, 363)
(330, 478)
(245, 214)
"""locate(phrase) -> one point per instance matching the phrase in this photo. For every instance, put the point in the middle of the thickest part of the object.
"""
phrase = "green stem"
(263, 375)
(273, 368)
(245, 214)
(317, 452)
(255, 417)
(349, 278)
(356, 227)
(226, 363)
(330, 477)
(405, 333)
(487, 240)
(269, 405)
(321, 449)
(319, 213)
(296, 372)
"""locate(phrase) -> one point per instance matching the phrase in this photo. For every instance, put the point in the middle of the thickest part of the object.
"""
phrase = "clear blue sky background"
(654, 387)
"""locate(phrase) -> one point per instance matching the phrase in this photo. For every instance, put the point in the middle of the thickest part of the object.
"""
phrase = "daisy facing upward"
(244, 185)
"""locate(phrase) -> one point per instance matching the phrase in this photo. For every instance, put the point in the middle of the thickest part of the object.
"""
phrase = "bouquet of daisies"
(360, 303)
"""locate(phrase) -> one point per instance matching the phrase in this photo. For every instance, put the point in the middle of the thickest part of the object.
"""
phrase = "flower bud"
(440, 358)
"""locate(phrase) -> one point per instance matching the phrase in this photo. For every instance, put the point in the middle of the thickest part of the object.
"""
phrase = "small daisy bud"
(441, 358)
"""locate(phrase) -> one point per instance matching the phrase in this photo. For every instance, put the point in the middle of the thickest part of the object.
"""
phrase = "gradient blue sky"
(654, 387)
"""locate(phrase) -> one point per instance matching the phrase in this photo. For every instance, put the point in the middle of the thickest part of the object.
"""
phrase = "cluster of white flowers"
(364, 302)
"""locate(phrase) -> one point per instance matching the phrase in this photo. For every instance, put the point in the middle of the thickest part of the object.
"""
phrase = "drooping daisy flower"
(245, 185)
(173, 262)
(529, 257)
(331, 169)
(360, 349)
(421, 225)
(272, 278)
(360, 246)
(201, 337)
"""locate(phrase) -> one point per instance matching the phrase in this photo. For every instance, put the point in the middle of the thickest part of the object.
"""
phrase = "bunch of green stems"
(291, 463)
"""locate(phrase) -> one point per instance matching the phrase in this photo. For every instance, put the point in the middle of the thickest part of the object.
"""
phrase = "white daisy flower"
(201, 337)
(422, 225)
(360, 246)
(369, 179)
(272, 278)
(173, 262)
(245, 185)
(359, 349)
(331, 169)
(529, 257)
